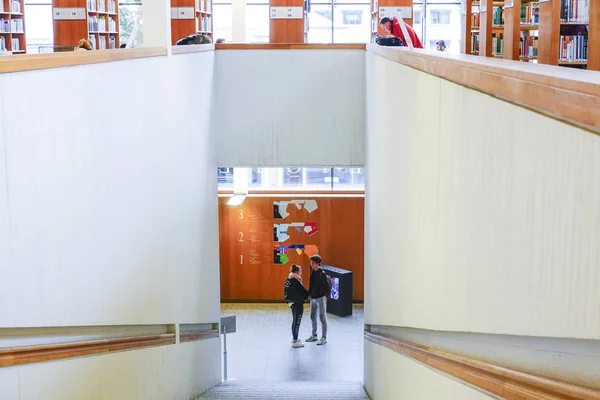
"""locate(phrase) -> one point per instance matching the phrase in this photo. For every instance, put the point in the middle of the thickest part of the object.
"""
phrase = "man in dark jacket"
(318, 290)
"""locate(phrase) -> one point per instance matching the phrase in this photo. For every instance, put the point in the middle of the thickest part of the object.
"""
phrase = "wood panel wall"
(286, 30)
(248, 269)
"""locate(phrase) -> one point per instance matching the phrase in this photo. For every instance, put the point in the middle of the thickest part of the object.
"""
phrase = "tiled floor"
(261, 347)
(265, 390)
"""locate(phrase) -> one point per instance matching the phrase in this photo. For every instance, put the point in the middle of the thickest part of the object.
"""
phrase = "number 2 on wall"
(241, 236)
(241, 258)
(241, 214)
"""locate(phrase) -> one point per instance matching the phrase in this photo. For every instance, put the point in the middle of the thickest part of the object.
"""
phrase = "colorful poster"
(280, 231)
(280, 253)
(280, 207)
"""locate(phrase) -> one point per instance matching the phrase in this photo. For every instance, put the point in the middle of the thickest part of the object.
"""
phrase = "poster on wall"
(281, 253)
(280, 207)
(281, 234)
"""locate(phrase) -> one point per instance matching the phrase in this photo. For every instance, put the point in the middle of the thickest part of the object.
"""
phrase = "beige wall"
(480, 216)
(110, 221)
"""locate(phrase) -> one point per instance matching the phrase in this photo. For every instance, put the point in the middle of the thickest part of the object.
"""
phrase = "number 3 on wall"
(241, 214)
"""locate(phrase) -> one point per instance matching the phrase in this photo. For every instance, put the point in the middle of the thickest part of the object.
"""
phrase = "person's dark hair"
(294, 269)
(384, 20)
(220, 40)
(316, 259)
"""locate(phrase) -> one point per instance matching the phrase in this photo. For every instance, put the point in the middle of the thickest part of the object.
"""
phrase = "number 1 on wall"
(241, 258)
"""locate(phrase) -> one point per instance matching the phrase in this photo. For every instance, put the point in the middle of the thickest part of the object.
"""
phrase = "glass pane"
(39, 29)
(352, 23)
(443, 23)
(320, 24)
(418, 20)
(257, 23)
(130, 23)
(225, 177)
(349, 178)
(317, 178)
(222, 25)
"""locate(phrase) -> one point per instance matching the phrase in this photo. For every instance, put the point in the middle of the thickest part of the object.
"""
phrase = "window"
(297, 178)
(130, 23)
(222, 21)
(417, 16)
(344, 21)
(352, 17)
(257, 23)
(39, 26)
(440, 17)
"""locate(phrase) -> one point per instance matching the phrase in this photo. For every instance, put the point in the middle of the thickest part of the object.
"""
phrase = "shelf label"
(287, 12)
(509, 4)
(186, 13)
(545, 1)
(395, 11)
(68, 13)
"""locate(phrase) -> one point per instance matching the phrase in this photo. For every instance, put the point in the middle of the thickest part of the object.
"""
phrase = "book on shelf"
(528, 46)
(91, 4)
(530, 13)
(101, 6)
(93, 42)
(112, 6)
(2, 44)
(112, 42)
(15, 6)
(17, 26)
(574, 11)
(15, 44)
(474, 43)
(5, 25)
(475, 20)
(573, 48)
(498, 44)
(497, 16)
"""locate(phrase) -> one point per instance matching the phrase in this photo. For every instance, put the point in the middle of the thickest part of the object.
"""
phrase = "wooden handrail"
(561, 93)
(192, 336)
(32, 354)
(504, 382)
(289, 46)
(30, 62)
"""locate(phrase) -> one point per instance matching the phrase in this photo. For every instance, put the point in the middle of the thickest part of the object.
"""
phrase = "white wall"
(110, 221)
(481, 216)
(290, 108)
(392, 376)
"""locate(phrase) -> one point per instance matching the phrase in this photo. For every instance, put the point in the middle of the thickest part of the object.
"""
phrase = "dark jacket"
(319, 284)
(294, 291)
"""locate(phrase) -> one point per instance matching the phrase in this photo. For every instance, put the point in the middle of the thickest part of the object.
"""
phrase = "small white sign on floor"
(295, 12)
(395, 11)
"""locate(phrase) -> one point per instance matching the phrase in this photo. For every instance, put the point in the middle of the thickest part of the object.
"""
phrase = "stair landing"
(297, 390)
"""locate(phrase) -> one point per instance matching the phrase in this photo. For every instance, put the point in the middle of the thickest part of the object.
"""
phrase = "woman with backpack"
(295, 294)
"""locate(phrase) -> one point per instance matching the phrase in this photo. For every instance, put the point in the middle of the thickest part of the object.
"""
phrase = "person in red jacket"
(393, 26)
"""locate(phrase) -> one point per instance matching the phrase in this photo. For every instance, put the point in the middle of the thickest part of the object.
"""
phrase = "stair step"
(300, 390)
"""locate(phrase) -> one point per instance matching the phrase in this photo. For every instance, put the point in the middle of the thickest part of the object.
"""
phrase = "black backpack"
(389, 40)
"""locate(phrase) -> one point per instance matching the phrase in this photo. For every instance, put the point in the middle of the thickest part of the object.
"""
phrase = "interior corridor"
(260, 349)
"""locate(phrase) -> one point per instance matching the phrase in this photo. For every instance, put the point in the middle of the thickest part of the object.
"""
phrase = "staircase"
(297, 390)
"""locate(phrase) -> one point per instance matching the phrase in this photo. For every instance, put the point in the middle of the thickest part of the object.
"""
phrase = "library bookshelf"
(189, 17)
(570, 33)
(555, 32)
(12, 27)
(95, 20)
(389, 8)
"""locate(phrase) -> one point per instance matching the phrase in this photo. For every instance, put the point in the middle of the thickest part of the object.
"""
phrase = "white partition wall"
(290, 107)
(470, 229)
(110, 221)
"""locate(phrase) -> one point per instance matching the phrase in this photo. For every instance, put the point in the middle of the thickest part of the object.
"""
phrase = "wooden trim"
(289, 46)
(197, 48)
(284, 193)
(32, 354)
(504, 382)
(69, 59)
(564, 94)
(193, 336)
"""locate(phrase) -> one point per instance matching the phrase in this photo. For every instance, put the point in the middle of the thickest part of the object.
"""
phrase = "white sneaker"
(297, 345)
(322, 341)
(313, 338)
